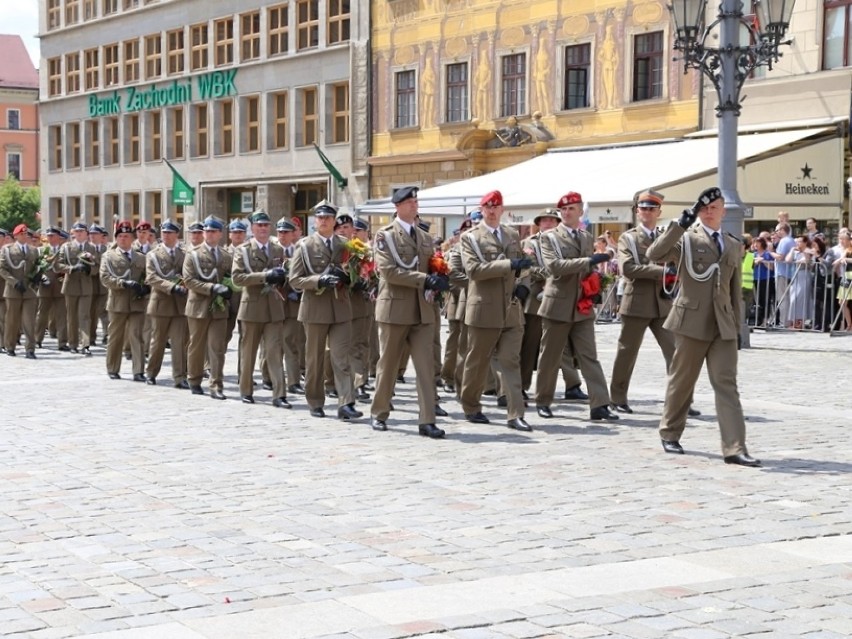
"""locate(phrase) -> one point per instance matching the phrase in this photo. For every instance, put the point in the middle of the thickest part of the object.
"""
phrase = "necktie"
(289, 251)
(718, 242)
(497, 235)
(264, 251)
(24, 249)
(172, 253)
(328, 244)
(216, 254)
(127, 255)
(413, 234)
(653, 235)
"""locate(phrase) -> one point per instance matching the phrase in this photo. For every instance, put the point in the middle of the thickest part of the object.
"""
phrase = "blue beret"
(237, 226)
(213, 224)
(260, 217)
(170, 227)
(475, 216)
(360, 225)
(406, 192)
(285, 225)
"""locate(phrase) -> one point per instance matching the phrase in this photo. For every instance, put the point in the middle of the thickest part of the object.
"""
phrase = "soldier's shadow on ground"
(790, 465)
(557, 426)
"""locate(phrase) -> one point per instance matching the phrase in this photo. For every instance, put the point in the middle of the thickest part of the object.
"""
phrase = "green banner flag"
(182, 192)
(342, 182)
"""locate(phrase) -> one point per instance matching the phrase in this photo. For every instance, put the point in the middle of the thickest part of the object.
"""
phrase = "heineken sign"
(209, 86)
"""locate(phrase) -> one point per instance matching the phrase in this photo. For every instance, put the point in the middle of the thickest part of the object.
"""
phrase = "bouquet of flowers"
(437, 266)
(361, 267)
(590, 289)
(38, 273)
(219, 303)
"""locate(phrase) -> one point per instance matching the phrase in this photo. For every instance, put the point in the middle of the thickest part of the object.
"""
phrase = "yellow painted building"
(465, 87)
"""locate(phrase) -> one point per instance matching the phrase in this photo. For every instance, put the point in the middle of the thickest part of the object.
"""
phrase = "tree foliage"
(18, 204)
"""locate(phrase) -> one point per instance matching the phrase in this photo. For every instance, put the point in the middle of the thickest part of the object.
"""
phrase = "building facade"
(234, 94)
(19, 150)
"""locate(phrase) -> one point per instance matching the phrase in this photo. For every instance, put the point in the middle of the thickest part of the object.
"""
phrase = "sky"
(20, 17)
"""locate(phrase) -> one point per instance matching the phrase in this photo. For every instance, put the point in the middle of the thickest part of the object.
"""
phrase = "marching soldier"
(325, 311)
(236, 237)
(496, 292)
(51, 302)
(196, 234)
(166, 307)
(204, 269)
(18, 263)
(451, 305)
(123, 273)
(362, 232)
(292, 327)
(705, 319)
(97, 312)
(145, 240)
(76, 260)
(566, 312)
(4, 240)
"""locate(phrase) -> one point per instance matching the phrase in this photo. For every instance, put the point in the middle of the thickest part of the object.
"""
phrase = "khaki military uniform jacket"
(703, 309)
(538, 273)
(568, 262)
(311, 259)
(291, 307)
(490, 291)
(76, 283)
(163, 273)
(403, 264)
(259, 302)
(201, 270)
(458, 282)
(98, 287)
(17, 267)
(115, 268)
(144, 249)
(643, 280)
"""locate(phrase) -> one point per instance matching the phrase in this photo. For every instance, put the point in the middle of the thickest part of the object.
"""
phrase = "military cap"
(53, 230)
(551, 213)
(3, 232)
(260, 217)
(170, 227)
(649, 199)
(213, 224)
(343, 218)
(475, 216)
(404, 193)
(143, 226)
(572, 197)
(196, 227)
(124, 226)
(492, 198)
(285, 226)
(360, 225)
(324, 208)
(94, 228)
(80, 226)
(237, 226)
(65, 235)
(709, 196)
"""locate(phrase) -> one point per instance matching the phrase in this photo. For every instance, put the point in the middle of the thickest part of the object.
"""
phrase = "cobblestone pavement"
(132, 512)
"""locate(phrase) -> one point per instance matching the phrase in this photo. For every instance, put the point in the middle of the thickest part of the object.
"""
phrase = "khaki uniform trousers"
(206, 345)
(451, 353)
(271, 334)
(360, 350)
(374, 347)
(569, 368)
(173, 330)
(78, 309)
(292, 335)
(125, 327)
(505, 345)
(3, 320)
(436, 342)
(629, 342)
(721, 357)
(20, 315)
(580, 338)
(362, 376)
(98, 313)
(338, 337)
(56, 307)
(416, 339)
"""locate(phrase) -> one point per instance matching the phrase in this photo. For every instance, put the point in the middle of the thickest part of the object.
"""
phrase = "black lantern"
(774, 16)
(689, 21)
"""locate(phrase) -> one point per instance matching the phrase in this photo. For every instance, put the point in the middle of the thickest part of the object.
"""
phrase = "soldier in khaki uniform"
(569, 255)
(164, 274)
(258, 269)
(4, 240)
(292, 328)
(404, 316)
(51, 302)
(97, 312)
(123, 273)
(237, 230)
(494, 315)
(204, 269)
(451, 306)
(76, 260)
(325, 311)
(17, 264)
(705, 319)
(196, 234)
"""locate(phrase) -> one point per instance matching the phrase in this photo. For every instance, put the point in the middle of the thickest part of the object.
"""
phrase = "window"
(111, 206)
(278, 24)
(54, 14)
(200, 126)
(130, 4)
(175, 44)
(72, 72)
(250, 36)
(648, 66)
(340, 112)
(132, 141)
(155, 136)
(54, 76)
(199, 49)
(73, 207)
(338, 21)
(54, 134)
(72, 12)
(224, 41)
(93, 207)
(13, 165)
(112, 141)
(93, 146)
(406, 100)
(577, 68)
(110, 65)
(91, 65)
(309, 116)
(154, 207)
(109, 7)
(74, 146)
(55, 206)
(13, 119)
(131, 205)
(153, 57)
(224, 144)
(131, 61)
(177, 141)
(513, 84)
(250, 111)
(307, 24)
(279, 120)
(90, 9)
(837, 46)
(457, 93)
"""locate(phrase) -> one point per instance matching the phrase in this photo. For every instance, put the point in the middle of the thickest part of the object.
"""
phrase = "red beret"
(569, 198)
(123, 227)
(21, 228)
(494, 198)
(143, 226)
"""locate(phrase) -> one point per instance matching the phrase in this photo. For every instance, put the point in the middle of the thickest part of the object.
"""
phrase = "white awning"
(607, 177)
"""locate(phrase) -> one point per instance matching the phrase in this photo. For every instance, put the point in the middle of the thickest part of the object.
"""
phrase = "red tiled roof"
(16, 67)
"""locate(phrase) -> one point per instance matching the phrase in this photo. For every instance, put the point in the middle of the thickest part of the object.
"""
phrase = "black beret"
(709, 195)
(406, 192)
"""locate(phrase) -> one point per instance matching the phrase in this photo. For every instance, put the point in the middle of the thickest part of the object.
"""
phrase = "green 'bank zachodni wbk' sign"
(209, 86)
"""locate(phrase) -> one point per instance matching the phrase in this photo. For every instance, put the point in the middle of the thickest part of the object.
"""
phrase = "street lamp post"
(728, 64)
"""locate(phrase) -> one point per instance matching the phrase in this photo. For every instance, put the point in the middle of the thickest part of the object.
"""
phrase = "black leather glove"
(276, 275)
(360, 286)
(520, 263)
(81, 267)
(21, 286)
(437, 283)
(342, 275)
(222, 290)
(177, 289)
(522, 292)
(128, 283)
(328, 281)
(597, 258)
(35, 280)
(687, 218)
(294, 296)
(144, 290)
(44, 280)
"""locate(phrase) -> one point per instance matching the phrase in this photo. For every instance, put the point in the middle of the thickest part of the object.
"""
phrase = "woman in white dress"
(801, 286)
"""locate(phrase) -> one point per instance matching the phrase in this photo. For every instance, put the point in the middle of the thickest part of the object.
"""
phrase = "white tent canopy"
(607, 177)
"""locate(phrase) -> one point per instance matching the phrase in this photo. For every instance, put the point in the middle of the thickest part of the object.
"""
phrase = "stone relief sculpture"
(542, 75)
(608, 58)
(481, 81)
(427, 90)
